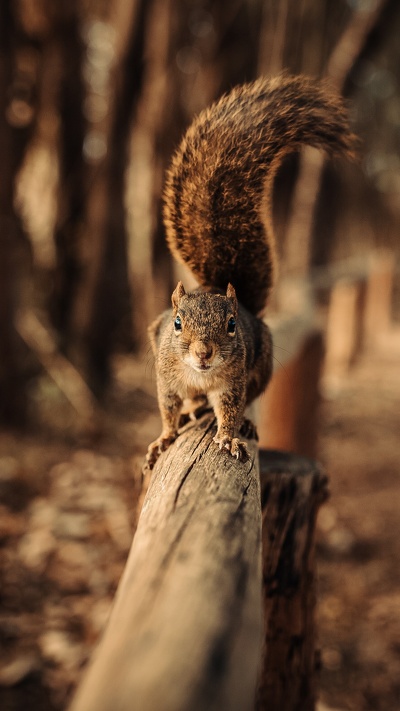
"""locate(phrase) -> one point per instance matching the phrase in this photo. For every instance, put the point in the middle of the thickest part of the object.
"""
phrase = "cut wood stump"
(292, 490)
(378, 300)
(187, 628)
(289, 407)
(344, 326)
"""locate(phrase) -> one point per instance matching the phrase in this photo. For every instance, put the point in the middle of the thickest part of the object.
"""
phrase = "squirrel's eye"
(178, 323)
(231, 325)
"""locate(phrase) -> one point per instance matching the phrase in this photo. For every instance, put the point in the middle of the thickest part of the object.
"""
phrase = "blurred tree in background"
(94, 97)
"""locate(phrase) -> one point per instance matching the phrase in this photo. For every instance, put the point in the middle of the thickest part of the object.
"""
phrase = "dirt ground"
(359, 538)
(68, 505)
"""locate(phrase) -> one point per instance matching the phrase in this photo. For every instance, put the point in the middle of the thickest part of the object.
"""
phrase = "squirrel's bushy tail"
(217, 191)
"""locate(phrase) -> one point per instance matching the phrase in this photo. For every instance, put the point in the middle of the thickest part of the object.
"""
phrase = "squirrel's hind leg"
(248, 429)
(193, 409)
(155, 449)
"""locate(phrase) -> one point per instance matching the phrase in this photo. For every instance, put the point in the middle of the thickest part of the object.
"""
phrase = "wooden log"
(186, 627)
(292, 490)
(344, 326)
(378, 299)
(288, 417)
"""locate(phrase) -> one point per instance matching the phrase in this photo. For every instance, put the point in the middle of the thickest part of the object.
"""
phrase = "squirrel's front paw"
(237, 448)
(155, 449)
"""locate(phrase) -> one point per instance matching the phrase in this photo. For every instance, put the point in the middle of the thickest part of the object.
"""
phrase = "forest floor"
(359, 538)
(68, 506)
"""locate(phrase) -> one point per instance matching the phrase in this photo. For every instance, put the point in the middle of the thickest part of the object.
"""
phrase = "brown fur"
(218, 221)
(218, 189)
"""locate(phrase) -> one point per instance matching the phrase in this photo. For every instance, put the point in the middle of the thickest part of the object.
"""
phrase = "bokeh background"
(94, 97)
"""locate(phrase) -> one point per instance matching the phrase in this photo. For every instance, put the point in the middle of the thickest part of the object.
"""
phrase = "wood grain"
(185, 631)
(292, 490)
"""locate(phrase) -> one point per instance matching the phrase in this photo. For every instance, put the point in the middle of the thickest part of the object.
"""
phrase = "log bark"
(292, 490)
(17, 121)
(185, 631)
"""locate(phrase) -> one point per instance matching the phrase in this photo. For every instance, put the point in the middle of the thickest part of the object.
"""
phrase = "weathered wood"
(289, 407)
(378, 299)
(292, 489)
(186, 628)
(360, 307)
(344, 326)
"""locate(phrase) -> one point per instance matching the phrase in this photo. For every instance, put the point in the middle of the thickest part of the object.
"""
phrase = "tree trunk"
(298, 241)
(106, 321)
(73, 188)
(17, 115)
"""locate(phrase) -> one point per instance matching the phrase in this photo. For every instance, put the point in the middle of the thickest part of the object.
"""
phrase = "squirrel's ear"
(231, 294)
(177, 295)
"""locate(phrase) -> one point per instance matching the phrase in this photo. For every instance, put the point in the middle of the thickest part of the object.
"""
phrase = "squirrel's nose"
(204, 351)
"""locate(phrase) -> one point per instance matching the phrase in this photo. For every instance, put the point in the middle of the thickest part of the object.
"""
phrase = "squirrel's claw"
(237, 448)
(155, 449)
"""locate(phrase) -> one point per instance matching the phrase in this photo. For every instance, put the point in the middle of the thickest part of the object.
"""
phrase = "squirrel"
(213, 345)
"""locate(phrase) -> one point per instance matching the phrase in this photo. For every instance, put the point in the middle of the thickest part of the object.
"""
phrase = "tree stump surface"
(185, 631)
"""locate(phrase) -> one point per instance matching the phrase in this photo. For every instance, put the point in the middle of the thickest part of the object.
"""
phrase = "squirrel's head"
(204, 325)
